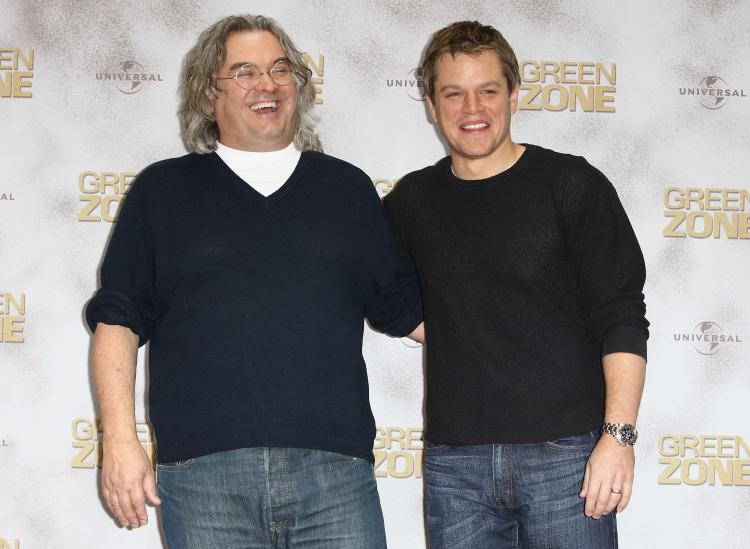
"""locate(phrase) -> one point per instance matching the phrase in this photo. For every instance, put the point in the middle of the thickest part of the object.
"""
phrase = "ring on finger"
(618, 492)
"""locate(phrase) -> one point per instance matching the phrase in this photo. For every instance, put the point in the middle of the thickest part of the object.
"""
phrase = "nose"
(265, 83)
(472, 103)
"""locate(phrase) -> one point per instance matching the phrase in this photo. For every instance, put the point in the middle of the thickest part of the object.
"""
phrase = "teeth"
(264, 105)
(478, 126)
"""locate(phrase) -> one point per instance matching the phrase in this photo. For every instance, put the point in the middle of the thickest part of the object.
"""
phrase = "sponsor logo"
(588, 86)
(398, 452)
(698, 212)
(87, 437)
(101, 194)
(412, 85)
(713, 92)
(695, 460)
(7, 197)
(317, 80)
(12, 317)
(707, 338)
(16, 72)
(129, 77)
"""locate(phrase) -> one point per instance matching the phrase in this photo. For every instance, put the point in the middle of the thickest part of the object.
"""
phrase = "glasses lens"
(247, 76)
(281, 73)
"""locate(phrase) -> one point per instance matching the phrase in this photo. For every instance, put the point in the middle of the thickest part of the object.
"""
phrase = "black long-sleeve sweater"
(254, 306)
(528, 278)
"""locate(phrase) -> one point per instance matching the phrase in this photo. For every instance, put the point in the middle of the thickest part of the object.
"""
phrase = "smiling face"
(262, 119)
(472, 106)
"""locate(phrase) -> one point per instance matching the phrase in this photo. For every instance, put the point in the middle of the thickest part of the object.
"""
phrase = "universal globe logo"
(129, 77)
(713, 92)
(708, 337)
(412, 84)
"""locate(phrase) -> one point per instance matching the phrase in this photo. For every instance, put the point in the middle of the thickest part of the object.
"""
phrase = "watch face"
(628, 434)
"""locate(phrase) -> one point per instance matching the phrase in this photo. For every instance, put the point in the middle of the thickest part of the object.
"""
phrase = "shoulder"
(415, 183)
(569, 172)
(332, 168)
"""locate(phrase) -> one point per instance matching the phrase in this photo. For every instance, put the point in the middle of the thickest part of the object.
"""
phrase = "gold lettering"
(568, 72)
(685, 471)
(602, 98)
(721, 221)
(562, 103)
(20, 82)
(17, 305)
(578, 95)
(718, 468)
(669, 446)
(380, 457)
(672, 464)
(12, 329)
(692, 229)
(611, 75)
(586, 73)
(532, 75)
(671, 229)
(91, 203)
(552, 71)
(707, 446)
(532, 92)
(406, 458)
(742, 472)
(671, 204)
(725, 446)
(85, 449)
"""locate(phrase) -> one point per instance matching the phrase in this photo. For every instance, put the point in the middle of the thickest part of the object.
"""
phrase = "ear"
(514, 100)
(431, 108)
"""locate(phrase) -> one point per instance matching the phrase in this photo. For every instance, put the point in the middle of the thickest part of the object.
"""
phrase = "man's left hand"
(609, 470)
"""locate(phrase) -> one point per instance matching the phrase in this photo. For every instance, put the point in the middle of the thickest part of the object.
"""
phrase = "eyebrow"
(482, 85)
(239, 64)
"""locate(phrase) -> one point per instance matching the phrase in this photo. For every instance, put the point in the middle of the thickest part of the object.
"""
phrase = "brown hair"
(470, 37)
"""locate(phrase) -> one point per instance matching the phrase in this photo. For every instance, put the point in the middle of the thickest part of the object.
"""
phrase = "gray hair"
(197, 121)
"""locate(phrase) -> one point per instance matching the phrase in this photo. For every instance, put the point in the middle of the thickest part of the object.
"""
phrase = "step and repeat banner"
(656, 95)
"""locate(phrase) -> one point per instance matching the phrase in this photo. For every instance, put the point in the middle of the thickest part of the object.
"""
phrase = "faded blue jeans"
(513, 496)
(257, 498)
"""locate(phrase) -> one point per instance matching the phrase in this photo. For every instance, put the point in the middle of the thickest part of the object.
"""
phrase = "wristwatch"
(624, 433)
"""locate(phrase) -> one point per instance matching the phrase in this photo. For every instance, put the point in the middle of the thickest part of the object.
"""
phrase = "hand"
(128, 482)
(609, 467)
(418, 333)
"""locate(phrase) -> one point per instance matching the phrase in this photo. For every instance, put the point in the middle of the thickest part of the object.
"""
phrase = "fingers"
(627, 491)
(128, 508)
(149, 488)
(585, 487)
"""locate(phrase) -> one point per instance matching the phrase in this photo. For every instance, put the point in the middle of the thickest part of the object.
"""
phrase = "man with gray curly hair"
(250, 265)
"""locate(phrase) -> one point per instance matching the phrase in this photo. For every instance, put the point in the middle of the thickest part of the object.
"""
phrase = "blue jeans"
(512, 495)
(256, 498)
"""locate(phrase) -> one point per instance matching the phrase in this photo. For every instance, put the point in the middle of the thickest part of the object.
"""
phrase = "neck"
(482, 168)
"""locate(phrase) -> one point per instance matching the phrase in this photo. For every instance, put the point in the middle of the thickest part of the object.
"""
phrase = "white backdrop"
(676, 148)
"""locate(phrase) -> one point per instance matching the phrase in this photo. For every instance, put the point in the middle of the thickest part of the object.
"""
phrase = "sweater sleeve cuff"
(408, 323)
(625, 339)
(116, 309)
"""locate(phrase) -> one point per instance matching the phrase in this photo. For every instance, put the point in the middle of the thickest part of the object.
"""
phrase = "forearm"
(113, 363)
(624, 376)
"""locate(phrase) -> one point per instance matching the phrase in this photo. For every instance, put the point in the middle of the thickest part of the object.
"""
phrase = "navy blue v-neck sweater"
(254, 306)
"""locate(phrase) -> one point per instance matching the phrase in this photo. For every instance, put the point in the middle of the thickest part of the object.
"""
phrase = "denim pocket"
(576, 442)
(175, 465)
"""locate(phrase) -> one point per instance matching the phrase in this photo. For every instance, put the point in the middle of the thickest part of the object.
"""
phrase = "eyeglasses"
(248, 76)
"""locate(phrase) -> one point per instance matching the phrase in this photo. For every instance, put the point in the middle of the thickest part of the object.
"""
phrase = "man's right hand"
(128, 482)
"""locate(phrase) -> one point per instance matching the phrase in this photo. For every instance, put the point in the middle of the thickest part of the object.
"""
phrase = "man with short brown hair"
(532, 284)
